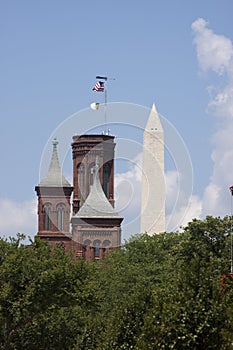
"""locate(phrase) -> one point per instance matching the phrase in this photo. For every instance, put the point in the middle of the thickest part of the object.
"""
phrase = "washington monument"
(153, 182)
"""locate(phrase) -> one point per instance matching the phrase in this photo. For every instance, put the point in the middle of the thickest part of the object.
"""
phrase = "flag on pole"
(99, 86)
(231, 189)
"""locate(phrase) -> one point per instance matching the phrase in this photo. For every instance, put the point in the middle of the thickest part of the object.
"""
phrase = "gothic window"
(47, 217)
(106, 179)
(96, 248)
(81, 175)
(60, 217)
(91, 173)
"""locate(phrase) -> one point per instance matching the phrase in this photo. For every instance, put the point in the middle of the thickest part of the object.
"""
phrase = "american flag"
(99, 86)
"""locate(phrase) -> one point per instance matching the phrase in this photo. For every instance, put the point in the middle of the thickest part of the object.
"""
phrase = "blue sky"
(51, 52)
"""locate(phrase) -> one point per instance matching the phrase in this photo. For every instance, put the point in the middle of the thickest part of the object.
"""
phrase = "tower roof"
(54, 177)
(153, 122)
(97, 204)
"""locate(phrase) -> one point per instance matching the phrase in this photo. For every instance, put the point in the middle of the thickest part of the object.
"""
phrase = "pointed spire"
(54, 178)
(97, 204)
(153, 122)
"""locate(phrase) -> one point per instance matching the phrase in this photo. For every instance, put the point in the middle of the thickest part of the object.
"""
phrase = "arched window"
(47, 217)
(96, 244)
(81, 175)
(91, 174)
(60, 217)
(87, 242)
(106, 179)
(106, 243)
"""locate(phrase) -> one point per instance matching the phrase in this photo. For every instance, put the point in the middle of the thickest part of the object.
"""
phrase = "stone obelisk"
(153, 181)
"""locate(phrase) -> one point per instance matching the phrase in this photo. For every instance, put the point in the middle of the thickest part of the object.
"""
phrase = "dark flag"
(99, 86)
(231, 189)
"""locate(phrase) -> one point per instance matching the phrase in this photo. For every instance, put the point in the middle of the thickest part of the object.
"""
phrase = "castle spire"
(54, 176)
(53, 193)
(97, 204)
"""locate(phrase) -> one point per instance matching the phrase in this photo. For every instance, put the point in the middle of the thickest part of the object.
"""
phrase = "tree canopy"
(157, 292)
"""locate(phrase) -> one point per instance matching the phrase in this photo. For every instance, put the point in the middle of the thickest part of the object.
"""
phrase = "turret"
(53, 193)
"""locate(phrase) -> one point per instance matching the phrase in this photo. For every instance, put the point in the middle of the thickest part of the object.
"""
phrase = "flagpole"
(231, 250)
(105, 107)
(231, 238)
(105, 100)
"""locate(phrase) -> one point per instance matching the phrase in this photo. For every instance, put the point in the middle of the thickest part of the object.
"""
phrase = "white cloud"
(184, 214)
(181, 207)
(172, 190)
(128, 196)
(18, 217)
(215, 53)
(194, 210)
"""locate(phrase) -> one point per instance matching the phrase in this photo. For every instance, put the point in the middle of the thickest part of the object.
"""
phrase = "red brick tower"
(54, 193)
(85, 148)
(96, 226)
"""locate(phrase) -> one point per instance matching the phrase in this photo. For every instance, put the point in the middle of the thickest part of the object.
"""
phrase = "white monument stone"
(153, 181)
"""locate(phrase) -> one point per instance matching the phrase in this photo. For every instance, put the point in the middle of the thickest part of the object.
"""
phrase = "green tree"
(156, 292)
(165, 292)
(44, 296)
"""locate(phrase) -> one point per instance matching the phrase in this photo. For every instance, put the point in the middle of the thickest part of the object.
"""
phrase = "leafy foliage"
(42, 296)
(157, 292)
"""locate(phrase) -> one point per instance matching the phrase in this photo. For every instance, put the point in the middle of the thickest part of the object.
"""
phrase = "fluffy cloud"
(180, 206)
(128, 196)
(18, 217)
(215, 53)
(184, 214)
